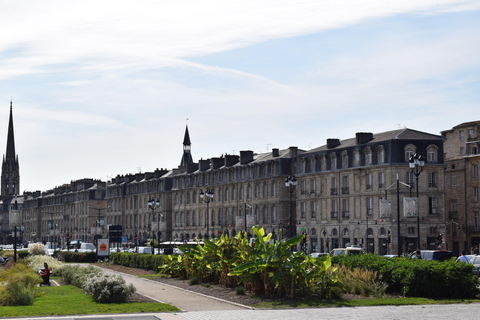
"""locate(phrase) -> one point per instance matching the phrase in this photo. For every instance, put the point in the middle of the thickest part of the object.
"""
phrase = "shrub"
(108, 288)
(193, 281)
(36, 249)
(36, 263)
(359, 281)
(132, 260)
(19, 286)
(240, 291)
(71, 256)
(77, 275)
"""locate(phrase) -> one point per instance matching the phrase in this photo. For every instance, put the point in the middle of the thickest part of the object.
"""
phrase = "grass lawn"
(70, 300)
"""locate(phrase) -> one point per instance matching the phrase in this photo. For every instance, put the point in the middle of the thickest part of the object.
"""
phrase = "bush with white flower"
(108, 288)
(36, 249)
(36, 263)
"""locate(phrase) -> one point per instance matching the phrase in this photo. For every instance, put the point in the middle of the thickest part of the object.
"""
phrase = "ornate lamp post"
(290, 183)
(153, 204)
(206, 197)
(417, 162)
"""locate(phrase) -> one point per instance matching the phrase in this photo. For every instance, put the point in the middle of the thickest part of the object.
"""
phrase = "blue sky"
(106, 88)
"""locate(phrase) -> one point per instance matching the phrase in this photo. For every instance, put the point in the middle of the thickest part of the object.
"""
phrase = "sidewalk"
(185, 300)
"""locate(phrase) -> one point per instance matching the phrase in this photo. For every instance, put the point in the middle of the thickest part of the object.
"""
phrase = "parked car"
(86, 247)
(318, 254)
(346, 251)
(475, 260)
(435, 255)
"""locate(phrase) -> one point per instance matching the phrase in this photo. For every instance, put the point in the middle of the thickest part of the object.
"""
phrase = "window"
(462, 135)
(369, 206)
(409, 152)
(274, 189)
(432, 205)
(344, 160)
(302, 186)
(432, 179)
(432, 154)
(303, 206)
(334, 209)
(257, 191)
(333, 160)
(313, 207)
(274, 214)
(470, 133)
(411, 230)
(475, 193)
(454, 181)
(345, 189)
(409, 179)
(265, 190)
(462, 150)
(369, 181)
(313, 186)
(475, 171)
(265, 214)
(381, 179)
(368, 156)
(381, 155)
(333, 188)
(345, 212)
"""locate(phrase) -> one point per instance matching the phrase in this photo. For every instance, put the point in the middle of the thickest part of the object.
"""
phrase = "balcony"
(345, 214)
(333, 214)
(473, 229)
(369, 187)
(333, 191)
(453, 214)
(345, 190)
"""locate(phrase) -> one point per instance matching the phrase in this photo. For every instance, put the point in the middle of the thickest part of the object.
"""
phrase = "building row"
(357, 191)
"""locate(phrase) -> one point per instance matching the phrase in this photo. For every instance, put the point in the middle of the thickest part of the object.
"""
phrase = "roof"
(399, 134)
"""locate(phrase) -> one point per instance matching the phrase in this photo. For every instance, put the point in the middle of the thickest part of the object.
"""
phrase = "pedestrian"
(475, 251)
(417, 255)
(45, 273)
(463, 258)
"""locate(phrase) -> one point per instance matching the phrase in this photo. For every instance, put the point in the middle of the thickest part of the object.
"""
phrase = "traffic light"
(68, 241)
(440, 239)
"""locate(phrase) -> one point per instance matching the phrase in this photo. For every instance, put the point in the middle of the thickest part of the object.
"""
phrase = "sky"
(102, 88)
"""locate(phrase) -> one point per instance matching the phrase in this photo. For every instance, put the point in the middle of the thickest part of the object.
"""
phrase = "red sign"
(103, 247)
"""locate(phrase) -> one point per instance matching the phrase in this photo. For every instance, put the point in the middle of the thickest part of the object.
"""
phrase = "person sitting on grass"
(45, 273)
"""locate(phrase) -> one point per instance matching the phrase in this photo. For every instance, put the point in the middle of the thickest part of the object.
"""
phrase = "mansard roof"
(399, 134)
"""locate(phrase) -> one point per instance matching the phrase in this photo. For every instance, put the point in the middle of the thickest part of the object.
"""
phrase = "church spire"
(187, 156)
(10, 168)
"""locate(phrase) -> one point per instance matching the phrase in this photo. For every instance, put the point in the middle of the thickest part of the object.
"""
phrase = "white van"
(86, 247)
(145, 250)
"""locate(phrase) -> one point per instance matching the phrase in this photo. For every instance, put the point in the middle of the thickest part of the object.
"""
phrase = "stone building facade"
(462, 161)
(340, 186)
(76, 210)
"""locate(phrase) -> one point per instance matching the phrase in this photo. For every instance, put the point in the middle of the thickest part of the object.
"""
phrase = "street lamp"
(290, 183)
(206, 197)
(417, 162)
(98, 221)
(153, 204)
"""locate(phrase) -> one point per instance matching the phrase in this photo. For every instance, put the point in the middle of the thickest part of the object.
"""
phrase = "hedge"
(71, 256)
(418, 278)
(135, 260)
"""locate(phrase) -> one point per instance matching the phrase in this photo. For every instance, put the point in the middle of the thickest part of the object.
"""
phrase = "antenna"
(268, 145)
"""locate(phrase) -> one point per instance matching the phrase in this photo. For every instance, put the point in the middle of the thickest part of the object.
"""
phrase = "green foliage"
(265, 267)
(18, 286)
(359, 281)
(418, 278)
(193, 281)
(108, 288)
(71, 256)
(22, 254)
(240, 291)
(135, 260)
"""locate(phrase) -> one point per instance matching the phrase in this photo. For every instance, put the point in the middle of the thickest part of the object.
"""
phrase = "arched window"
(356, 158)
(368, 156)
(432, 154)
(409, 152)
(380, 155)
(333, 161)
(344, 159)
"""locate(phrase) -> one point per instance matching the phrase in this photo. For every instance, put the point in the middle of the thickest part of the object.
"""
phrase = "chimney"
(204, 164)
(363, 137)
(246, 156)
(275, 152)
(332, 143)
(230, 160)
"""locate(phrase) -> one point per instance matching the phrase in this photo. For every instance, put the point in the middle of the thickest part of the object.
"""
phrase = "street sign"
(115, 233)
(102, 249)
